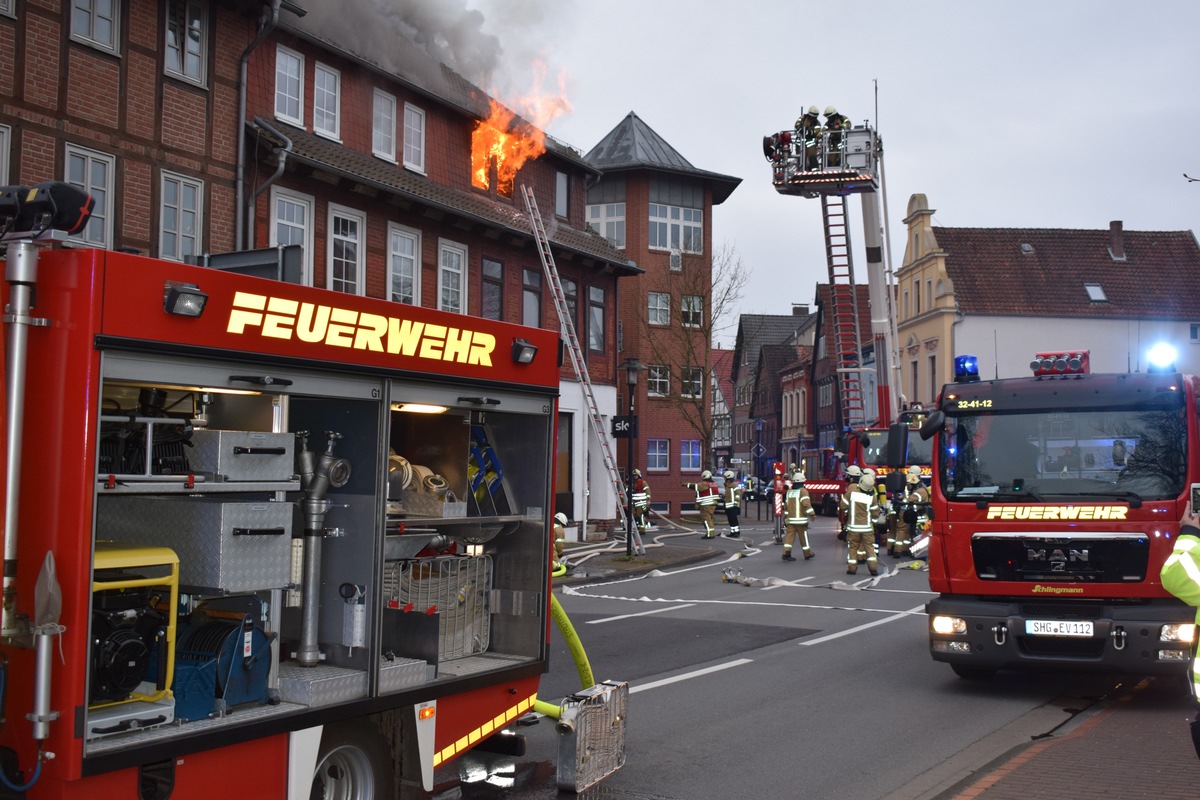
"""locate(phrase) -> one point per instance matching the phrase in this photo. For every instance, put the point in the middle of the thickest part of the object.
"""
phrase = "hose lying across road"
(579, 555)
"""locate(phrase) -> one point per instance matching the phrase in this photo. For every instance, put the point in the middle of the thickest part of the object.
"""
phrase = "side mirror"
(894, 482)
(897, 449)
(933, 423)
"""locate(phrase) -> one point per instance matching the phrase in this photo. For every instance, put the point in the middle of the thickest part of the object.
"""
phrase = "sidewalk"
(1137, 745)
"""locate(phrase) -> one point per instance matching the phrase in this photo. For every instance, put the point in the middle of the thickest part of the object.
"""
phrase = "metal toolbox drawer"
(231, 547)
(243, 455)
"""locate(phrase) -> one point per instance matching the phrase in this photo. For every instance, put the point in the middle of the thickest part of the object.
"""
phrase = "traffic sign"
(758, 450)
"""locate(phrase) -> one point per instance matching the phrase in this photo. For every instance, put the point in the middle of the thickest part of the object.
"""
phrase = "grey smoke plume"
(407, 37)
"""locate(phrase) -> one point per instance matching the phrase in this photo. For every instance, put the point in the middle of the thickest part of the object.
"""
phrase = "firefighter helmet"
(830, 111)
(637, 473)
(706, 475)
(813, 110)
(561, 519)
(866, 482)
(729, 475)
(798, 477)
(914, 470)
(869, 471)
(854, 471)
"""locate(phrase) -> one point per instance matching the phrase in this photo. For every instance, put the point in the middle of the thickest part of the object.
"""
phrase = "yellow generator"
(135, 602)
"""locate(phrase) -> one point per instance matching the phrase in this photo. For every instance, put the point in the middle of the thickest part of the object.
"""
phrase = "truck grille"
(1119, 557)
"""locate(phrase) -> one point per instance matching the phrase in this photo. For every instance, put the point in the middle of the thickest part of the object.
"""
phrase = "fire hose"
(577, 653)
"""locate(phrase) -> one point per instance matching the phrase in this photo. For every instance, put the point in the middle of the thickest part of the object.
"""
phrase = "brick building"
(655, 205)
(209, 127)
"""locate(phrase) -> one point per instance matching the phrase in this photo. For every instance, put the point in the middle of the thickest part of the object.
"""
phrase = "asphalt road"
(807, 683)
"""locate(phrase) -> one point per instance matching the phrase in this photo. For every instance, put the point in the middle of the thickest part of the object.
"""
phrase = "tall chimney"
(1116, 244)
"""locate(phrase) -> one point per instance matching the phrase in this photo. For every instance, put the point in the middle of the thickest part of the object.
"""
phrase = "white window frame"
(383, 126)
(99, 229)
(658, 380)
(183, 214)
(85, 19)
(308, 204)
(414, 138)
(336, 214)
(6, 8)
(562, 196)
(197, 11)
(691, 311)
(284, 58)
(691, 382)
(397, 258)
(675, 228)
(452, 276)
(5, 150)
(608, 220)
(690, 454)
(658, 455)
(597, 335)
(658, 308)
(327, 102)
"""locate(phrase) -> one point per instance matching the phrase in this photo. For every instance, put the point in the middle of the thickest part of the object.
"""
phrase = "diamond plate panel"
(202, 532)
(321, 685)
(243, 455)
(400, 673)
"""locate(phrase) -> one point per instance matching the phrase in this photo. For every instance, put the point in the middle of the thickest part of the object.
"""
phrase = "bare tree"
(685, 310)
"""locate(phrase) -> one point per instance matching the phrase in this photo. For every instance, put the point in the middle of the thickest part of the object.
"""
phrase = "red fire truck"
(1056, 500)
(262, 540)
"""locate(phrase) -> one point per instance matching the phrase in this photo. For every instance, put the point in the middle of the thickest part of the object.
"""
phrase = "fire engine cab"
(261, 539)
(1056, 499)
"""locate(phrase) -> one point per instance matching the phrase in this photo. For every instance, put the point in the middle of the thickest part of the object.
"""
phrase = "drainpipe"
(281, 154)
(267, 23)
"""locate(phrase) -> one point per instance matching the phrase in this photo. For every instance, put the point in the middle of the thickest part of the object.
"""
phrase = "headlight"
(947, 625)
(1185, 632)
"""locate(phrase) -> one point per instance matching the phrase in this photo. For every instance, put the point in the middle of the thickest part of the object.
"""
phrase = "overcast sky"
(1004, 114)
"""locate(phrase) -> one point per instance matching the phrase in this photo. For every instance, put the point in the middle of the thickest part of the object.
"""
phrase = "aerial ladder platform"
(851, 165)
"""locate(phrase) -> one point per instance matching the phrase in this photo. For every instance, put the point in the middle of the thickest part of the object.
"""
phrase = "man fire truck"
(261, 540)
(1055, 502)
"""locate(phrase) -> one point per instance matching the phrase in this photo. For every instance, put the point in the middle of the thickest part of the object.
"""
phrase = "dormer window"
(1095, 293)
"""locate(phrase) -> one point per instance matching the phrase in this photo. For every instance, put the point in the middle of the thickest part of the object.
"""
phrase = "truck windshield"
(1130, 454)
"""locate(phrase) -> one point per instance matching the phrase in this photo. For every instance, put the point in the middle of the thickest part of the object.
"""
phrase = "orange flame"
(497, 140)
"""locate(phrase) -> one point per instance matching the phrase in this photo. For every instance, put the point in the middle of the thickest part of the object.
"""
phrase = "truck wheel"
(972, 673)
(354, 763)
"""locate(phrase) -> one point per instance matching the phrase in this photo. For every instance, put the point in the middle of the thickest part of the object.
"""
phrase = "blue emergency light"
(966, 369)
(1162, 358)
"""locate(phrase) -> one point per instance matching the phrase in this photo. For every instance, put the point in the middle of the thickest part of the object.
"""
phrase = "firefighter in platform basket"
(808, 130)
(798, 512)
(835, 126)
(641, 501)
(731, 499)
(707, 495)
(860, 527)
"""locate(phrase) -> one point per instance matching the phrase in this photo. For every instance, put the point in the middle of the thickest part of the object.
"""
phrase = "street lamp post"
(631, 366)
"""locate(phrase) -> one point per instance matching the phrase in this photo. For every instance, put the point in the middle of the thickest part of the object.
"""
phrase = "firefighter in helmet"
(731, 498)
(854, 474)
(798, 512)
(860, 529)
(914, 510)
(885, 523)
(560, 536)
(835, 125)
(808, 131)
(706, 500)
(641, 501)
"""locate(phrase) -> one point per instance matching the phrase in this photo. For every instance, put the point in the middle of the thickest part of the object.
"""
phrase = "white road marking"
(858, 628)
(639, 614)
(688, 675)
